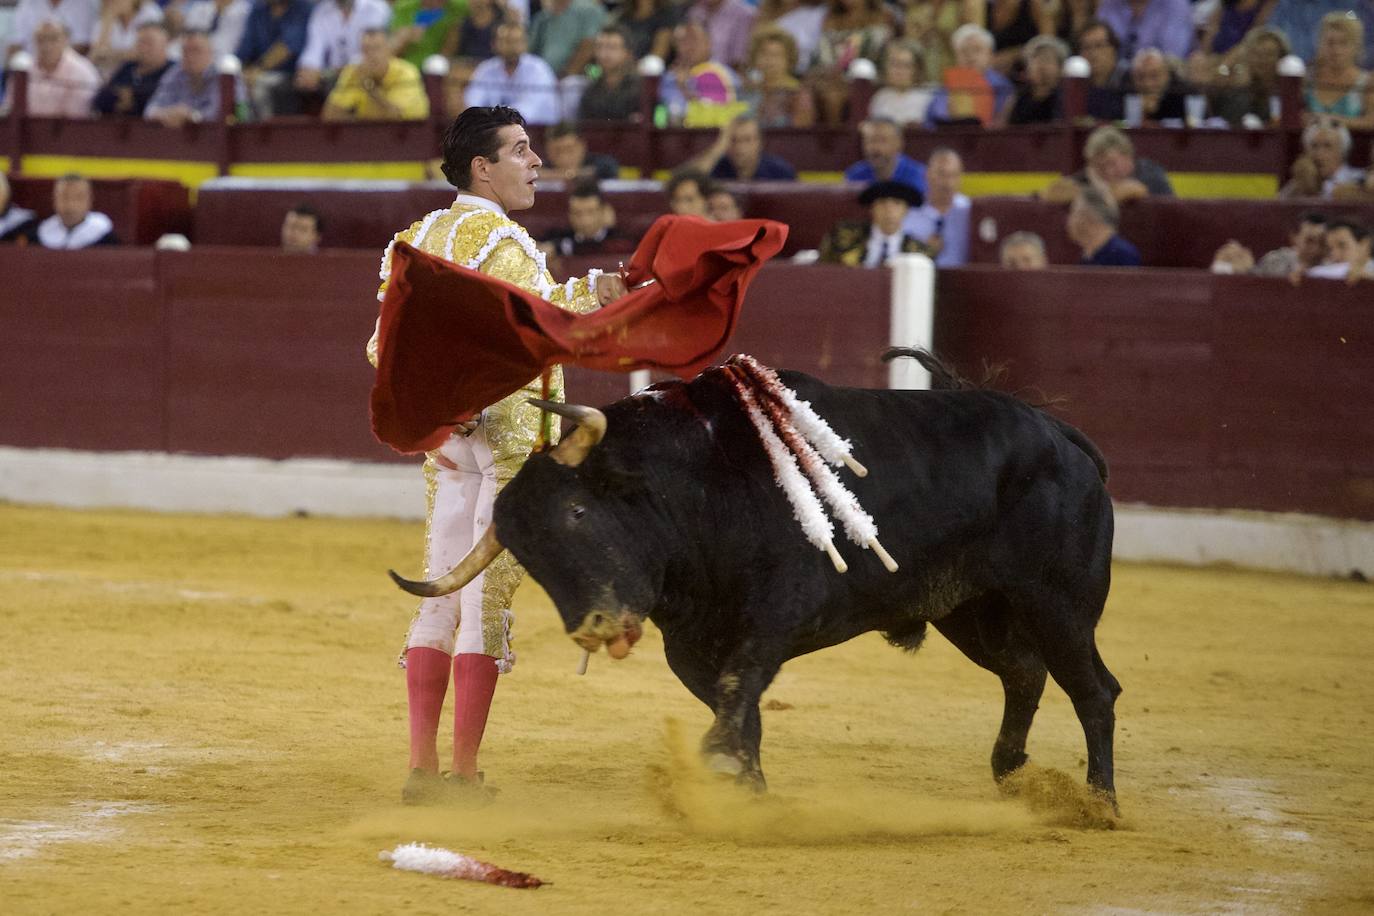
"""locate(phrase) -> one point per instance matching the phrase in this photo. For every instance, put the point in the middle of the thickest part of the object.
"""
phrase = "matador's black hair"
(473, 133)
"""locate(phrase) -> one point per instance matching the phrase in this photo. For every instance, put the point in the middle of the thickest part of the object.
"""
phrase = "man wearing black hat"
(871, 243)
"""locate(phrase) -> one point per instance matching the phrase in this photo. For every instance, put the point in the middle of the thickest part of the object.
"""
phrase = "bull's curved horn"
(470, 567)
(591, 426)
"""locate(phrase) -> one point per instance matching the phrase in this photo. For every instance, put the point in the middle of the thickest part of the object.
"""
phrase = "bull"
(664, 507)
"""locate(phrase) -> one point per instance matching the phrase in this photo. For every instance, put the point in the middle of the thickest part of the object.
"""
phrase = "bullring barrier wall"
(225, 379)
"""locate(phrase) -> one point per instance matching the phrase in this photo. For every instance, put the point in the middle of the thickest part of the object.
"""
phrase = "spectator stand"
(1201, 161)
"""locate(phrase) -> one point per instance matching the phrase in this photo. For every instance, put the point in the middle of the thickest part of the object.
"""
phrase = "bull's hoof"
(1006, 761)
(724, 764)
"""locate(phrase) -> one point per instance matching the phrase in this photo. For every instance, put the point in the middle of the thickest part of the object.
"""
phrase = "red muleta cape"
(453, 340)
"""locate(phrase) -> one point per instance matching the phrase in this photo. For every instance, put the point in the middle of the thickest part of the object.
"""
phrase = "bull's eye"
(575, 512)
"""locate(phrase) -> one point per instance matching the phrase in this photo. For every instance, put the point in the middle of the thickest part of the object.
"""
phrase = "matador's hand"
(609, 287)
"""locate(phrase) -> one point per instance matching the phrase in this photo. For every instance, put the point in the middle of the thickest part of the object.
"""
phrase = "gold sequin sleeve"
(405, 235)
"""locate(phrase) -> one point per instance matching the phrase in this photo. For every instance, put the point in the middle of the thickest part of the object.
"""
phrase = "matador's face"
(514, 172)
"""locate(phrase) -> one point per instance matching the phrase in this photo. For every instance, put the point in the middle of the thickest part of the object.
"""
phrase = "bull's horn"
(591, 426)
(470, 567)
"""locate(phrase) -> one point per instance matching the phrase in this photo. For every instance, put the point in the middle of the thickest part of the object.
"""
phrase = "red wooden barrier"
(1202, 390)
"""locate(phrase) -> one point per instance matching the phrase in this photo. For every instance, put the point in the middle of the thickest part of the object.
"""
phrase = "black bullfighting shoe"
(423, 788)
(468, 793)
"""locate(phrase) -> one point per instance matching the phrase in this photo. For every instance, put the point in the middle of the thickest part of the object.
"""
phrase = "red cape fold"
(452, 340)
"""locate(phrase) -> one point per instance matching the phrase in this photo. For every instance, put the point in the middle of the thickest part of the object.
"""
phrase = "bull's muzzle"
(618, 632)
(486, 549)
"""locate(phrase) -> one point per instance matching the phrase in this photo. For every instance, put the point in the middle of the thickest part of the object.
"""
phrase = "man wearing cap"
(871, 243)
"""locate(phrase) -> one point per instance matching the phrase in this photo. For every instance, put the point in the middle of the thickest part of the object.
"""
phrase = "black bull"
(996, 513)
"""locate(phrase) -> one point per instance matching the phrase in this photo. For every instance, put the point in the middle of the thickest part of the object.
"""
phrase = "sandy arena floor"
(202, 715)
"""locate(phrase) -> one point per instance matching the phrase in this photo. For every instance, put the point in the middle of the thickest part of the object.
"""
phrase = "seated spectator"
(852, 30)
(615, 94)
(1013, 23)
(737, 155)
(273, 38)
(516, 78)
(801, 19)
(129, 90)
(1023, 251)
(1347, 252)
(648, 26)
(695, 78)
(591, 226)
(1306, 250)
(1154, 83)
(942, 223)
(1301, 21)
(562, 33)
(1163, 24)
(1092, 225)
(477, 34)
(973, 92)
(117, 31)
(1039, 101)
(687, 193)
(223, 20)
(422, 28)
(903, 97)
(1337, 86)
(1230, 24)
(17, 225)
(569, 160)
(189, 91)
(930, 26)
(378, 87)
(872, 243)
(777, 98)
(62, 83)
(73, 224)
(722, 206)
(78, 16)
(1254, 80)
(301, 230)
(1108, 73)
(729, 23)
(1322, 168)
(1112, 166)
(333, 40)
(881, 140)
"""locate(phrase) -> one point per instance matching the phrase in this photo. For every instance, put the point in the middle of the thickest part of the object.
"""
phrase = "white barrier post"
(639, 380)
(913, 316)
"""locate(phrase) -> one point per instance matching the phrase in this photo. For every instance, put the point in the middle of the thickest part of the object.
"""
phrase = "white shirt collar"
(472, 200)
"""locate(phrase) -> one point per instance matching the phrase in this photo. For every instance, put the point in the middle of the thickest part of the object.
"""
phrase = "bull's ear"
(591, 426)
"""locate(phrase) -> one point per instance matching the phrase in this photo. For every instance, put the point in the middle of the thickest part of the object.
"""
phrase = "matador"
(489, 159)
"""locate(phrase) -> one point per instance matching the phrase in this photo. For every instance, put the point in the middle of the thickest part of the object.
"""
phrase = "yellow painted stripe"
(188, 173)
(1225, 184)
(393, 171)
(4, 163)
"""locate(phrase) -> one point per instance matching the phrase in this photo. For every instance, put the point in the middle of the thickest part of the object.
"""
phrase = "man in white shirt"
(74, 225)
(1348, 253)
(516, 79)
(222, 20)
(334, 39)
(942, 222)
(62, 82)
(79, 16)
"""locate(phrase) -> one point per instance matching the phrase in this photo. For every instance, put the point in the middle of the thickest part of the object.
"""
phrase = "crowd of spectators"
(744, 68)
(789, 63)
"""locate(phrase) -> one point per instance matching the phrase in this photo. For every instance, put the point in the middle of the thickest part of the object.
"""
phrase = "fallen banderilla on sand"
(443, 863)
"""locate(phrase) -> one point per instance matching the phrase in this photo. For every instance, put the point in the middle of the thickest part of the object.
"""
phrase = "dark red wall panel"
(83, 350)
(266, 353)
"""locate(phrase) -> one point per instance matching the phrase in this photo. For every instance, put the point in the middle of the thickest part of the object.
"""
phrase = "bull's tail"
(943, 377)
